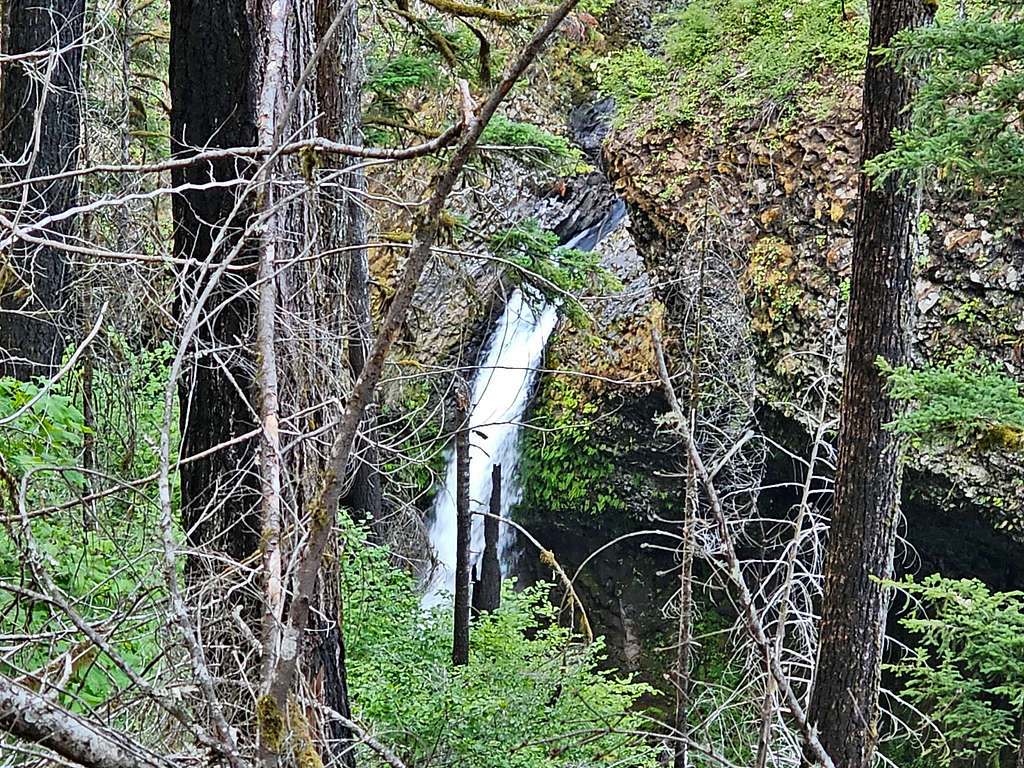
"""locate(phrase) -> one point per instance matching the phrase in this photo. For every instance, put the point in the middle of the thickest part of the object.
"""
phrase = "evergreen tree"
(41, 90)
(844, 699)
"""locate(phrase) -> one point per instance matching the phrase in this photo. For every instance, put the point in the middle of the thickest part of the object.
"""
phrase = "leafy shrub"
(48, 433)
(531, 696)
(110, 562)
(736, 56)
(967, 670)
(631, 75)
(566, 471)
(694, 36)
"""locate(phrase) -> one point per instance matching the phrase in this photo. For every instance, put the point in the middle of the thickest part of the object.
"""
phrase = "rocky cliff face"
(747, 227)
(780, 199)
(767, 210)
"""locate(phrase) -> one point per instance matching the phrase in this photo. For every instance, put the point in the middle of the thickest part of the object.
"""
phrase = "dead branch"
(732, 564)
(324, 508)
(40, 720)
(319, 144)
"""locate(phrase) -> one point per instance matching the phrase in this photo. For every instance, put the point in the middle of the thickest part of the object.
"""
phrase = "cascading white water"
(500, 392)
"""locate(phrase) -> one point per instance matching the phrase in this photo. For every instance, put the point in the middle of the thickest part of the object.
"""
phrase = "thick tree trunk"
(213, 104)
(218, 67)
(487, 590)
(345, 329)
(32, 282)
(844, 700)
(341, 79)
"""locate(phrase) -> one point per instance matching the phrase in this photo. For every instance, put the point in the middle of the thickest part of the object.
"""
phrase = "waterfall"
(501, 389)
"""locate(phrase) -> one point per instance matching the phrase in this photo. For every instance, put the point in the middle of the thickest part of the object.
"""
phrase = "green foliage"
(967, 404)
(631, 75)
(395, 76)
(531, 696)
(730, 59)
(389, 79)
(555, 272)
(108, 562)
(567, 472)
(131, 425)
(770, 280)
(967, 127)
(47, 434)
(538, 147)
(967, 671)
(596, 7)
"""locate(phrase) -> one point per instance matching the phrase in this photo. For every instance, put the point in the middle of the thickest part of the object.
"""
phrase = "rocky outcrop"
(781, 200)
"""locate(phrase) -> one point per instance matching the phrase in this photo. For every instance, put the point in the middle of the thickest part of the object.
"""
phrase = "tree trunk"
(460, 642)
(1020, 745)
(487, 591)
(32, 282)
(844, 699)
(218, 67)
(213, 104)
(344, 332)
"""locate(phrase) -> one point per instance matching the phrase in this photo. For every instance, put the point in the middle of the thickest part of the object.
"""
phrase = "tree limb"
(324, 509)
(37, 719)
(319, 144)
(751, 618)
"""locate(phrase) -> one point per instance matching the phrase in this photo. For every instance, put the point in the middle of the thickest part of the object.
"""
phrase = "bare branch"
(292, 148)
(35, 718)
(732, 563)
(325, 507)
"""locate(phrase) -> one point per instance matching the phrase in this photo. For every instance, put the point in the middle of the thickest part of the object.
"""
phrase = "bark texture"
(33, 276)
(213, 104)
(35, 718)
(341, 75)
(232, 61)
(844, 699)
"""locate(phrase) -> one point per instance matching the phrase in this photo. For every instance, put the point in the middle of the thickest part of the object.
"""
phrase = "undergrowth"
(724, 61)
(567, 472)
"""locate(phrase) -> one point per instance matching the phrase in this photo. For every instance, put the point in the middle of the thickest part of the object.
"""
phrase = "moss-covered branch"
(398, 125)
(463, 10)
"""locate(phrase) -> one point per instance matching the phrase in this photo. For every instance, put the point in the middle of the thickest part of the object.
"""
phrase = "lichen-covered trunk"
(844, 699)
(230, 62)
(41, 91)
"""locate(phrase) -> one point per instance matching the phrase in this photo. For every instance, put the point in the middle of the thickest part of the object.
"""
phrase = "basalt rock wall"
(780, 198)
